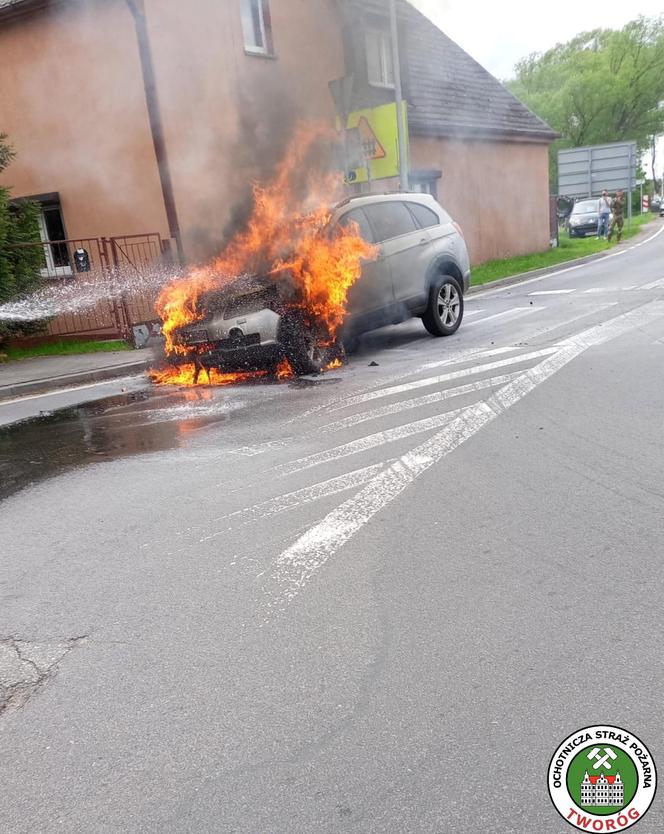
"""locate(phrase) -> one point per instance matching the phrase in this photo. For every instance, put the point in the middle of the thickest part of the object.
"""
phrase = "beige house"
(231, 78)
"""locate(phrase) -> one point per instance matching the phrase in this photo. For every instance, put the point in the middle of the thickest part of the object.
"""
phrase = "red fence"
(108, 279)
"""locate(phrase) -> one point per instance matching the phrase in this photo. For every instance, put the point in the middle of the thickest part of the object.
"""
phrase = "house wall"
(498, 192)
(73, 105)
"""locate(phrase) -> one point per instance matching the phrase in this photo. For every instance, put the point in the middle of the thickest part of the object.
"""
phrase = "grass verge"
(568, 250)
(65, 348)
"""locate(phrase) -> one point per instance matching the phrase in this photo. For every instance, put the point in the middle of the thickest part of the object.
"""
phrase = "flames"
(286, 234)
(188, 375)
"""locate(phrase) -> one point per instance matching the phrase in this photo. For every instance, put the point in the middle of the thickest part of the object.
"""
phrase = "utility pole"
(403, 155)
(137, 8)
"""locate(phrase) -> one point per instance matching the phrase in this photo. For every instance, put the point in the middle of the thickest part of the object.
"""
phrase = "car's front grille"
(195, 337)
(239, 342)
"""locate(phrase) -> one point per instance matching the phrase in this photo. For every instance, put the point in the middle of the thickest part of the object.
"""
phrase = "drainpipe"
(403, 156)
(137, 8)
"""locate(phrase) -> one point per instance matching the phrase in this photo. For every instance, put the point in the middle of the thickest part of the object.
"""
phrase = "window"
(425, 181)
(424, 216)
(380, 67)
(390, 220)
(256, 26)
(360, 218)
(425, 187)
(52, 228)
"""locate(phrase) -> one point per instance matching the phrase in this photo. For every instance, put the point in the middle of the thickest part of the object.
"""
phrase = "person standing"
(604, 212)
(618, 208)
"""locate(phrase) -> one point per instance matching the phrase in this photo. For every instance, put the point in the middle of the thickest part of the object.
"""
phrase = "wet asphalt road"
(374, 602)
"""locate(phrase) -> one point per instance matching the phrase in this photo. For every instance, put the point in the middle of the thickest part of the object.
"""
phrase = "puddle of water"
(149, 420)
(128, 424)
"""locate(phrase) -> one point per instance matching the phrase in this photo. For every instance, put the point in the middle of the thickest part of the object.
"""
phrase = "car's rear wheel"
(303, 346)
(444, 311)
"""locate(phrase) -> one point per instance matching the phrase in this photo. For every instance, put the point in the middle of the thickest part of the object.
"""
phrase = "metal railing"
(114, 262)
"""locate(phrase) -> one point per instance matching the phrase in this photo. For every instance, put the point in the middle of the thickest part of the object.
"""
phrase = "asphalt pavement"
(373, 601)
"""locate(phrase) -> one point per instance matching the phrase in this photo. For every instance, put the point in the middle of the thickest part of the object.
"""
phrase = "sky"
(499, 33)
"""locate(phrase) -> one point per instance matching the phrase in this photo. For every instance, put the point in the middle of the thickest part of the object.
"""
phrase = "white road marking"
(547, 331)
(467, 313)
(417, 402)
(513, 313)
(300, 497)
(463, 356)
(259, 448)
(454, 357)
(609, 290)
(653, 285)
(441, 378)
(298, 563)
(369, 441)
(551, 292)
(460, 357)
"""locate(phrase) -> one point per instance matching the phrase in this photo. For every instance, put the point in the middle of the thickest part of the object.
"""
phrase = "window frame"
(265, 27)
(51, 269)
(386, 58)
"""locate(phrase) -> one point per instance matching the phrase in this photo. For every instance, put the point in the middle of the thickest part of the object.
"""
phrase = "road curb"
(39, 386)
(547, 270)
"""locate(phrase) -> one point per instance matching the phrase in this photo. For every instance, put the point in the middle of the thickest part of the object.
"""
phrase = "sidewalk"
(46, 373)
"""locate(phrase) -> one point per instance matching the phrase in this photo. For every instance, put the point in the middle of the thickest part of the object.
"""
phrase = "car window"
(360, 218)
(424, 216)
(390, 220)
(586, 207)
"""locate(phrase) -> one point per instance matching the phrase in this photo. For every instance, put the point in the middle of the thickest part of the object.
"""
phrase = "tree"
(19, 265)
(601, 86)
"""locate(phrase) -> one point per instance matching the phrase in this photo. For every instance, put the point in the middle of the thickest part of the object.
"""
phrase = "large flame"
(286, 232)
(188, 374)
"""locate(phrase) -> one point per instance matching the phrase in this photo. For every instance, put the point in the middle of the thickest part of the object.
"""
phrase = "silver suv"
(422, 269)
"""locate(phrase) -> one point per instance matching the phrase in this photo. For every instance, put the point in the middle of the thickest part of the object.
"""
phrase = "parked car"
(583, 219)
(422, 269)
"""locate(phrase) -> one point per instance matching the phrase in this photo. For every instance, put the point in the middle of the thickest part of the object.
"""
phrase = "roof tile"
(450, 93)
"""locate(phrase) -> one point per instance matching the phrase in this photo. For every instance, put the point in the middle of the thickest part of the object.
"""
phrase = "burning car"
(373, 260)
(254, 322)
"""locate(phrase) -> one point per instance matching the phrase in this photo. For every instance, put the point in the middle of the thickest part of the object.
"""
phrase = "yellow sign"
(380, 141)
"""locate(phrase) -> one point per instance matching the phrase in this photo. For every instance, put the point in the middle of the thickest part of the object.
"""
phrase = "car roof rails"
(352, 197)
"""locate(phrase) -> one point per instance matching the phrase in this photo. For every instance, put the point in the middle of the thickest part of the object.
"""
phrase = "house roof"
(15, 8)
(450, 93)
(6, 4)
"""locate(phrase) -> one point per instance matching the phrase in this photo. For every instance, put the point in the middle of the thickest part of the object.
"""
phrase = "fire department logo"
(602, 778)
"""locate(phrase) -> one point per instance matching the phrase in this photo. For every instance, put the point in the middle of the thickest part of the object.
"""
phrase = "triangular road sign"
(370, 145)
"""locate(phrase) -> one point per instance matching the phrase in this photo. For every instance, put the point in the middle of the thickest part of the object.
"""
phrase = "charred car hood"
(247, 294)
